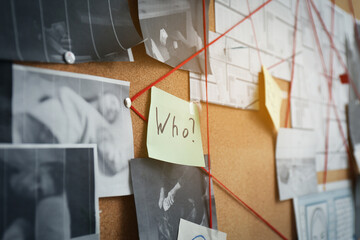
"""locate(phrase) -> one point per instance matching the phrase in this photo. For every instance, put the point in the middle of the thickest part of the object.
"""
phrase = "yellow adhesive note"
(273, 97)
(173, 133)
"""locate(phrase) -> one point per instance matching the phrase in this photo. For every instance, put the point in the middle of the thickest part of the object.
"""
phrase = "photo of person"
(173, 31)
(45, 30)
(66, 108)
(165, 193)
(48, 192)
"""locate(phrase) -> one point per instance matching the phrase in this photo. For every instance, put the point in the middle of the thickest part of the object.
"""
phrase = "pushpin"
(69, 57)
(344, 78)
(127, 102)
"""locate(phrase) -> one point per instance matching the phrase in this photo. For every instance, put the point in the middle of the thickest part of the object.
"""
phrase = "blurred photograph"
(296, 163)
(325, 215)
(296, 177)
(317, 221)
(44, 30)
(65, 108)
(165, 193)
(48, 192)
(173, 31)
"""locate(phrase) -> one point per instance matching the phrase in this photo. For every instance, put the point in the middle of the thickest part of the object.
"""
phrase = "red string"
(207, 108)
(176, 68)
(292, 64)
(281, 61)
(317, 41)
(329, 79)
(329, 99)
(335, 49)
(166, 75)
(245, 205)
(324, 67)
(138, 113)
(198, 52)
(254, 33)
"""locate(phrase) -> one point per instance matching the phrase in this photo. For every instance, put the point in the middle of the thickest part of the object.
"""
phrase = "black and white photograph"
(296, 163)
(296, 177)
(325, 215)
(173, 31)
(164, 193)
(45, 30)
(66, 108)
(48, 192)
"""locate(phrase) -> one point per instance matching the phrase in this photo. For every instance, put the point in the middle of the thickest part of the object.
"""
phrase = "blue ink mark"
(199, 236)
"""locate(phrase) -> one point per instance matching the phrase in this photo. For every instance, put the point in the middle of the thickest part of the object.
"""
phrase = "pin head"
(127, 102)
(69, 57)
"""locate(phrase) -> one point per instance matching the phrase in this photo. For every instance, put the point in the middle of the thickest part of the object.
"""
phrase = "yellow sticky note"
(273, 97)
(173, 133)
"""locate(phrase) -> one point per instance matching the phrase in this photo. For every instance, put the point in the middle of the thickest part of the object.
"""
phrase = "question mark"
(193, 130)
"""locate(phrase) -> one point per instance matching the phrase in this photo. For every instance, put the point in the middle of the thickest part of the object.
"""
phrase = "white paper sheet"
(328, 215)
(274, 26)
(231, 82)
(189, 230)
(295, 163)
(71, 108)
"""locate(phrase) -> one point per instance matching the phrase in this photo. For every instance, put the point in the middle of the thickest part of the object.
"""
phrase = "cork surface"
(242, 145)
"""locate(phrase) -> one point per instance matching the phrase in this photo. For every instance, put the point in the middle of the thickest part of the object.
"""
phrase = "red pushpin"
(344, 78)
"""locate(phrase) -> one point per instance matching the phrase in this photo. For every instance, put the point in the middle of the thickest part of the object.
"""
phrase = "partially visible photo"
(45, 30)
(296, 163)
(296, 177)
(165, 193)
(173, 31)
(65, 108)
(325, 215)
(48, 192)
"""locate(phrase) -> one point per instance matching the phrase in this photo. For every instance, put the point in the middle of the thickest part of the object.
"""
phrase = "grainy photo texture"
(47, 192)
(166, 192)
(317, 221)
(295, 163)
(65, 108)
(173, 31)
(296, 177)
(44, 30)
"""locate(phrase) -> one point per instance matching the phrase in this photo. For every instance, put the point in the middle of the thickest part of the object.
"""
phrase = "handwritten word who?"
(161, 126)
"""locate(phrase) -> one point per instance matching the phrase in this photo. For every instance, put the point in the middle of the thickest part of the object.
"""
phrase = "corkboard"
(242, 150)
